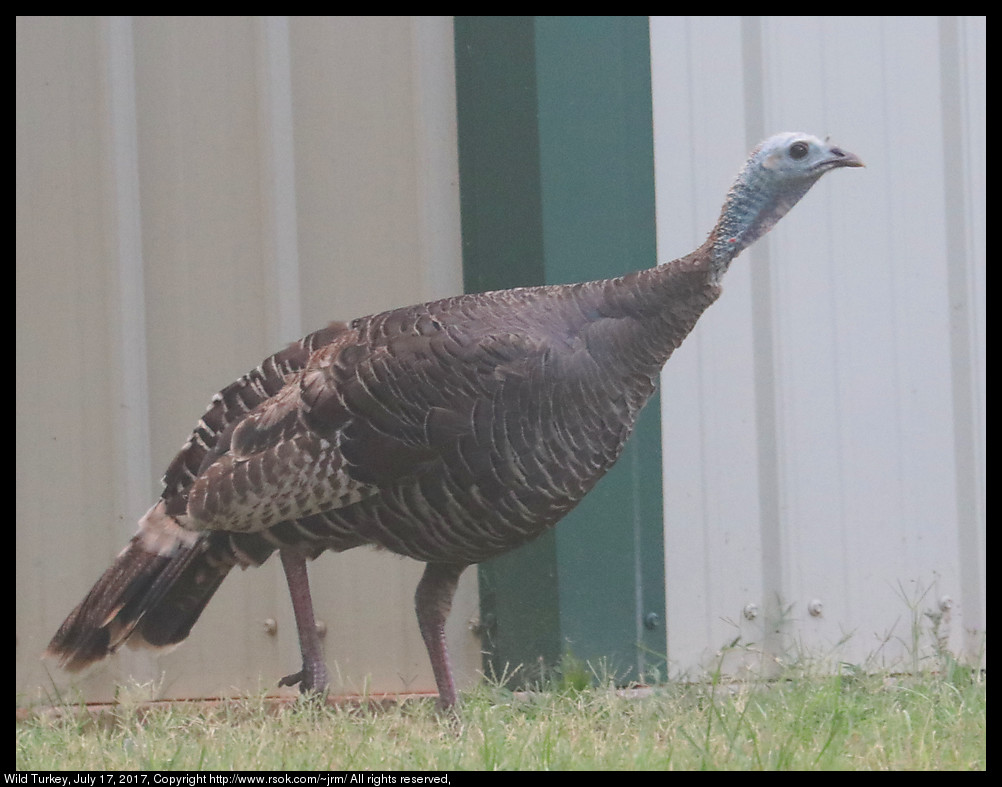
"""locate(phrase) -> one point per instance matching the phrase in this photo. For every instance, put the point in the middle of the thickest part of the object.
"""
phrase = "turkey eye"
(798, 150)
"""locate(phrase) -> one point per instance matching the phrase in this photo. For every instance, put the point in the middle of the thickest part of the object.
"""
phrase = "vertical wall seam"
(279, 230)
(121, 143)
(123, 211)
(960, 292)
(763, 340)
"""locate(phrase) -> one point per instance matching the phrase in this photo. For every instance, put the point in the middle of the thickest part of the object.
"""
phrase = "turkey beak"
(841, 158)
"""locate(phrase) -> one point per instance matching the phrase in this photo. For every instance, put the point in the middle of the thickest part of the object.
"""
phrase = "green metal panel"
(557, 185)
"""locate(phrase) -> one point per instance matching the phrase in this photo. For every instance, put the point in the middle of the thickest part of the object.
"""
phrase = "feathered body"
(449, 432)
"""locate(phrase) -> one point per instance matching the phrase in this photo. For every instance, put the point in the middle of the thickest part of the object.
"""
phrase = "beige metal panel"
(74, 469)
(862, 380)
(77, 262)
(207, 305)
(183, 210)
(378, 210)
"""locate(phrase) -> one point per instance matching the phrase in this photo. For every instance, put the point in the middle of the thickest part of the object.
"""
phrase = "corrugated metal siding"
(193, 194)
(825, 424)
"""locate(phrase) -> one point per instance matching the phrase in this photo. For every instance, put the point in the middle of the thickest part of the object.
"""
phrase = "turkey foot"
(310, 681)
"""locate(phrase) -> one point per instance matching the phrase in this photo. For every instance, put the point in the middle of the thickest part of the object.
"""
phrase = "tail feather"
(109, 612)
(169, 620)
(151, 595)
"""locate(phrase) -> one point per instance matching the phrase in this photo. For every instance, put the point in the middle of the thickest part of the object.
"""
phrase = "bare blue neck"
(753, 206)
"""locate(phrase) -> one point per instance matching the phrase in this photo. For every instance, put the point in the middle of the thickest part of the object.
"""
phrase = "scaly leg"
(433, 601)
(313, 677)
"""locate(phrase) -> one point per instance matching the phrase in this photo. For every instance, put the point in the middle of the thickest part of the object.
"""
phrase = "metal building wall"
(192, 194)
(824, 426)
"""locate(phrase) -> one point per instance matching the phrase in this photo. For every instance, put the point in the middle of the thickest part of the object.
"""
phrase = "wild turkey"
(449, 432)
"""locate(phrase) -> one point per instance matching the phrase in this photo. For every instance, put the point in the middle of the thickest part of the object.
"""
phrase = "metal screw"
(270, 627)
(484, 626)
(750, 611)
(651, 621)
(945, 604)
(815, 607)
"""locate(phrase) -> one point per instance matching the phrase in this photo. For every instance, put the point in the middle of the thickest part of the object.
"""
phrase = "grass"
(849, 721)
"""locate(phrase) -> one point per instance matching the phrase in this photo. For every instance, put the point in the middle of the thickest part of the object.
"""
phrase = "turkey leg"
(313, 677)
(433, 600)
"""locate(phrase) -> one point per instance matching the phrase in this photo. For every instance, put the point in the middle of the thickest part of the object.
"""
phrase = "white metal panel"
(193, 193)
(968, 115)
(860, 379)
(713, 548)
